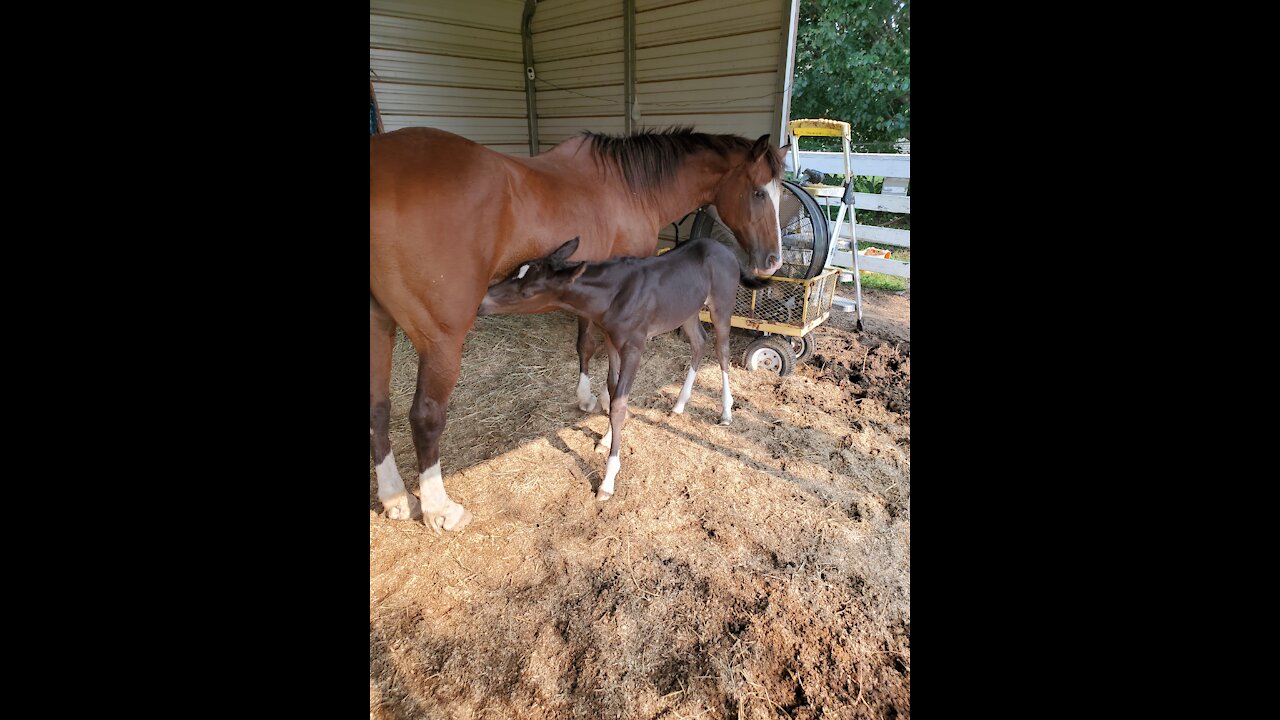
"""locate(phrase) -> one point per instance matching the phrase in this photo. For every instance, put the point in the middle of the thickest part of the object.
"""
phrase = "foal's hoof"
(602, 495)
(453, 517)
(589, 406)
(397, 507)
(726, 419)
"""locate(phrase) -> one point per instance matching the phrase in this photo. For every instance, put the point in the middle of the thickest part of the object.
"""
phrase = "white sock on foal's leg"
(727, 416)
(610, 472)
(586, 401)
(685, 392)
(438, 511)
(391, 492)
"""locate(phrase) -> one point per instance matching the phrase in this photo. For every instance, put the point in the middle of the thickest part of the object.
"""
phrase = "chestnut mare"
(448, 218)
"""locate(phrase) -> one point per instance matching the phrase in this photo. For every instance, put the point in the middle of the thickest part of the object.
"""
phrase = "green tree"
(853, 63)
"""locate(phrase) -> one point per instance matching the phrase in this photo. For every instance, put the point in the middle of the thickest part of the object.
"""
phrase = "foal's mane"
(650, 158)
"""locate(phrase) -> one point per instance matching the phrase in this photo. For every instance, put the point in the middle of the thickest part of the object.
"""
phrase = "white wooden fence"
(892, 198)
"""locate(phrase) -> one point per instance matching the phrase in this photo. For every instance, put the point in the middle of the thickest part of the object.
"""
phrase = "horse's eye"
(759, 194)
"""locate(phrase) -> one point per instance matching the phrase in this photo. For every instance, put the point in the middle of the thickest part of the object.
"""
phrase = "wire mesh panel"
(822, 292)
(786, 301)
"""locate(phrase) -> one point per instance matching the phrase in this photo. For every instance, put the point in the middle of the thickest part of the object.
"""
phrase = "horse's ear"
(578, 269)
(566, 250)
(761, 145)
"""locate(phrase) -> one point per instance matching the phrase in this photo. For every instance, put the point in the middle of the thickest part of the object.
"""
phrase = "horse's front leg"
(438, 367)
(586, 348)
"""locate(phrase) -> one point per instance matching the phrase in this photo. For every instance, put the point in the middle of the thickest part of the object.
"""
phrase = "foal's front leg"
(630, 360)
(615, 361)
(697, 343)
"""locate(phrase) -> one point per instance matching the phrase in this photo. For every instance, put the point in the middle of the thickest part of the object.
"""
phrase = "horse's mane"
(650, 158)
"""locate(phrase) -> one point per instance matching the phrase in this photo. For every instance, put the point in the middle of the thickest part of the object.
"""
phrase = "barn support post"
(630, 121)
(530, 91)
(786, 66)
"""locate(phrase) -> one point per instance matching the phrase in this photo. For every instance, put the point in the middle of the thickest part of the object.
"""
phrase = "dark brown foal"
(632, 300)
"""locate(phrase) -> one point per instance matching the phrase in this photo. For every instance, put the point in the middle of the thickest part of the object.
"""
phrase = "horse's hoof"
(601, 495)
(397, 508)
(589, 406)
(601, 448)
(726, 419)
(453, 517)
(677, 410)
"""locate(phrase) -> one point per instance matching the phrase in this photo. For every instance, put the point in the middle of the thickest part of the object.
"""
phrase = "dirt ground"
(760, 570)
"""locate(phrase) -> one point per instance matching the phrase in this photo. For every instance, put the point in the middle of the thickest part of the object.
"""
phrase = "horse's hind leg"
(438, 366)
(382, 336)
(586, 348)
(698, 343)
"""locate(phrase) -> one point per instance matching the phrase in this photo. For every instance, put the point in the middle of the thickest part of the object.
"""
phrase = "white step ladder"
(840, 129)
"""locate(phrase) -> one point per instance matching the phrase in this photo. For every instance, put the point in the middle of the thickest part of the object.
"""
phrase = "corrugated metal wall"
(457, 65)
(451, 64)
(577, 51)
(710, 64)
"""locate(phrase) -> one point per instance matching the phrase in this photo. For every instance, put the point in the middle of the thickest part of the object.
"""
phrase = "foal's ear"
(567, 249)
(574, 271)
(761, 145)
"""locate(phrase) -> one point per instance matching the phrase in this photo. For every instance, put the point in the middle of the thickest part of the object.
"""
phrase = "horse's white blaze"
(523, 269)
(610, 472)
(390, 484)
(775, 196)
(685, 392)
(727, 396)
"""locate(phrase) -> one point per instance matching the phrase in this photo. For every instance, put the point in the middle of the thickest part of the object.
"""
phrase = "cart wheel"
(770, 353)
(803, 347)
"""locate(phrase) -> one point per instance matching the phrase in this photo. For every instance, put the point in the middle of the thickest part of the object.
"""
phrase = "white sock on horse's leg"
(685, 392)
(391, 492)
(727, 416)
(438, 511)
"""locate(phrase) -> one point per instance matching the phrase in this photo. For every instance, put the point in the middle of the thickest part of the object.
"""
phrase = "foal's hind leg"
(391, 492)
(586, 348)
(438, 366)
(698, 343)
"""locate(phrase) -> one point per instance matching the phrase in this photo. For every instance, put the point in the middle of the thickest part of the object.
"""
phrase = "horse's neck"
(693, 186)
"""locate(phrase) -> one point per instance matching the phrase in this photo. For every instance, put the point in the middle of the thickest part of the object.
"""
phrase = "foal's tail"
(751, 282)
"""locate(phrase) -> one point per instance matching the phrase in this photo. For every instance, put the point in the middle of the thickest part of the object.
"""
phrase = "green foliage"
(853, 63)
